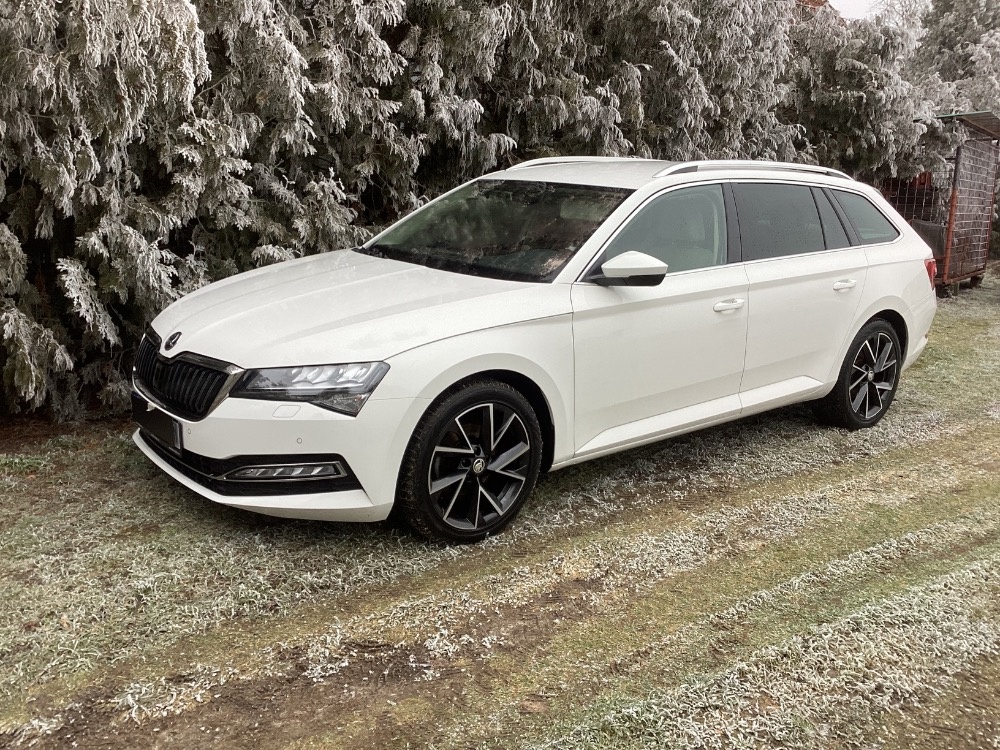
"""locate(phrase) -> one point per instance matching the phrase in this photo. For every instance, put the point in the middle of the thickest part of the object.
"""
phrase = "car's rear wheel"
(868, 379)
(471, 463)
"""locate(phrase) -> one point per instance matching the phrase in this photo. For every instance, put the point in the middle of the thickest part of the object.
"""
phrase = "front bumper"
(344, 505)
(245, 431)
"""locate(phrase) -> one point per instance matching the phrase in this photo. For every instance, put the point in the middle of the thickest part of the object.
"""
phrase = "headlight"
(343, 388)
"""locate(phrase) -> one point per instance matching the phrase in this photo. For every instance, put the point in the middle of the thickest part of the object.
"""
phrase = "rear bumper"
(923, 317)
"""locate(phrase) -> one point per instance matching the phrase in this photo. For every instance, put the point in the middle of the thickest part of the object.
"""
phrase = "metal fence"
(952, 208)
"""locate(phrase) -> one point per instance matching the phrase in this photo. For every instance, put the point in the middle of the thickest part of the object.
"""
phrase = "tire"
(455, 485)
(867, 382)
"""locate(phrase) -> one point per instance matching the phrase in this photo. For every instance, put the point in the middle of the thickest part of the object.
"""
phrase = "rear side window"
(870, 223)
(833, 230)
(777, 220)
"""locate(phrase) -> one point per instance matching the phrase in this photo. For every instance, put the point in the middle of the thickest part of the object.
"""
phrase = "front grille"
(185, 388)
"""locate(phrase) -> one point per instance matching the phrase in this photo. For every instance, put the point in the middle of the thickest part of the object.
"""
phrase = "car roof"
(626, 172)
(606, 172)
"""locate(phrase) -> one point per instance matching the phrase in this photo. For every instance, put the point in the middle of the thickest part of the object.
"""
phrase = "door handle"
(729, 305)
(844, 285)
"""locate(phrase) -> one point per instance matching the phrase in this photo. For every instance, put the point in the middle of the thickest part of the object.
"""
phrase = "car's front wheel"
(868, 379)
(471, 463)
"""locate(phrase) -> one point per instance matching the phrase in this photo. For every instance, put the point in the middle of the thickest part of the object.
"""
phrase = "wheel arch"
(838, 407)
(893, 312)
(898, 324)
(524, 385)
(412, 501)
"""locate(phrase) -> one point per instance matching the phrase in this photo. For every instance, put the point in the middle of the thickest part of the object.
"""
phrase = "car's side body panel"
(897, 282)
(802, 308)
(641, 353)
(540, 350)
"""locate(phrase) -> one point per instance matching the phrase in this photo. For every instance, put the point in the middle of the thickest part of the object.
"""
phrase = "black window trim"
(733, 236)
(852, 233)
(826, 240)
(592, 268)
(734, 240)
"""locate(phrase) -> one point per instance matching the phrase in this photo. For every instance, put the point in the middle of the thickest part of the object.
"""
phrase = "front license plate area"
(158, 423)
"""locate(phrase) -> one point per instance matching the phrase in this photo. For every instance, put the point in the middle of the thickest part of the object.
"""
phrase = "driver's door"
(651, 361)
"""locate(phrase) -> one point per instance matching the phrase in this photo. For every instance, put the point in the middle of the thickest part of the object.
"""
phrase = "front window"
(502, 229)
(685, 228)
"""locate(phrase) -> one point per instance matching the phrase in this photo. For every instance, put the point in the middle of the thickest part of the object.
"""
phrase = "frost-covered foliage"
(903, 13)
(714, 77)
(850, 91)
(962, 44)
(148, 147)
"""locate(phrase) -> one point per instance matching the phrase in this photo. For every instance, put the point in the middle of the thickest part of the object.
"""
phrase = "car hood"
(344, 307)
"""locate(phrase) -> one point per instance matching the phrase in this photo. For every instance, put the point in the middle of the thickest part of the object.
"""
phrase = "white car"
(550, 313)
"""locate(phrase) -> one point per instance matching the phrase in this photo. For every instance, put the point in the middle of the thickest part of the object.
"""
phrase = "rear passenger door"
(806, 283)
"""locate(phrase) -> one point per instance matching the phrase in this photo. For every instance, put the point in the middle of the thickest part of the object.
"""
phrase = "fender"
(540, 350)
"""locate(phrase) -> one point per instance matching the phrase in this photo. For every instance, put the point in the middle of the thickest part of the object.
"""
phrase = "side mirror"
(631, 269)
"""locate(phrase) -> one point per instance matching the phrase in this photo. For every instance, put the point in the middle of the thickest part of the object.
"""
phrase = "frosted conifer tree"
(962, 45)
(148, 148)
(850, 92)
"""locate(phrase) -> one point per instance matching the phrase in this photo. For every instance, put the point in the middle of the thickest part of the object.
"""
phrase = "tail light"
(931, 265)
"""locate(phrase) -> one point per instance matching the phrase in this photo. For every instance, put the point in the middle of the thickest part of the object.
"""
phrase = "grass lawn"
(764, 583)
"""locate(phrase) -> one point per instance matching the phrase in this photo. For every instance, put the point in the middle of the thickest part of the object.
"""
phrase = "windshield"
(503, 229)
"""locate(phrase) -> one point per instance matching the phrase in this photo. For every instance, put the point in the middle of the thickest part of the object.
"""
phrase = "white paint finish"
(631, 264)
(625, 173)
(616, 366)
(369, 442)
(799, 318)
(661, 426)
(646, 351)
(344, 307)
(778, 394)
(540, 350)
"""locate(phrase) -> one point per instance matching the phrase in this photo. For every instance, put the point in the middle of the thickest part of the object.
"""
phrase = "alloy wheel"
(479, 466)
(873, 376)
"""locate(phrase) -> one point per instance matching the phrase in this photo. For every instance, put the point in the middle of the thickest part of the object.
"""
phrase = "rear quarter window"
(869, 222)
(833, 230)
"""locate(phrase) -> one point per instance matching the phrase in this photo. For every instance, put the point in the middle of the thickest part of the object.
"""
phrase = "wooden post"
(952, 210)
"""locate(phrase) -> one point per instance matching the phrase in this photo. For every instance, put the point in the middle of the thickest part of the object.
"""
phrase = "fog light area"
(297, 471)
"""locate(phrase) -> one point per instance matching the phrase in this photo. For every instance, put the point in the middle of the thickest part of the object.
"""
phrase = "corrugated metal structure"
(952, 208)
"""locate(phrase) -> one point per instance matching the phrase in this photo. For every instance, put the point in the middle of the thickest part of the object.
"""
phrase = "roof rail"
(575, 159)
(697, 166)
